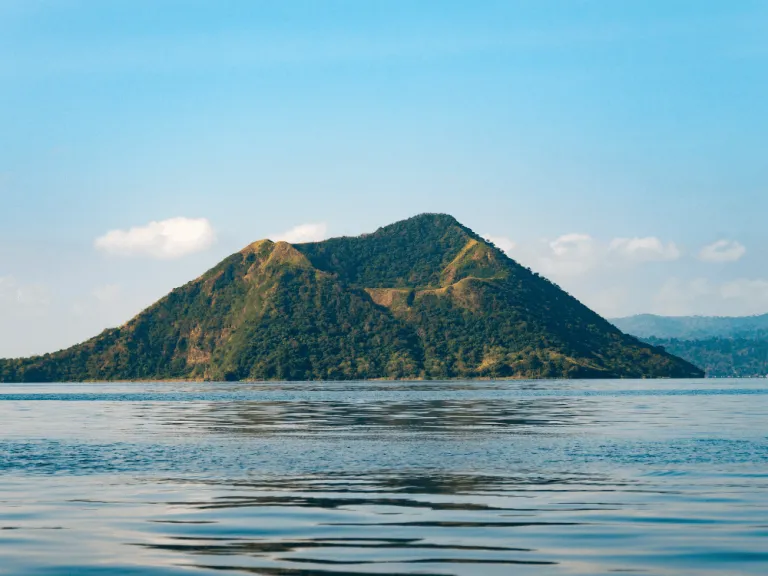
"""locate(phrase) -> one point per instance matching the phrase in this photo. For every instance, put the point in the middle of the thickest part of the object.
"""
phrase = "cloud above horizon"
(722, 251)
(576, 253)
(615, 277)
(164, 239)
(568, 255)
(311, 232)
(648, 249)
(502, 242)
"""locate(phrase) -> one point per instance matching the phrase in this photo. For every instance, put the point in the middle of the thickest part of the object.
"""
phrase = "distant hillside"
(722, 357)
(693, 327)
(421, 298)
(722, 346)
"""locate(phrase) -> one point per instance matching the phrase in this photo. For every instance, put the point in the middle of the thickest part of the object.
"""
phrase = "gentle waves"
(432, 478)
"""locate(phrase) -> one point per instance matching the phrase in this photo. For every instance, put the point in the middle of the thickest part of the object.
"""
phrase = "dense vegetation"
(722, 357)
(723, 346)
(422, 298)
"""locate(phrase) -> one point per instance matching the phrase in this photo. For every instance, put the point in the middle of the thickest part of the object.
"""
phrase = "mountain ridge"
(724, 346)
(693, 327)
(421, 298)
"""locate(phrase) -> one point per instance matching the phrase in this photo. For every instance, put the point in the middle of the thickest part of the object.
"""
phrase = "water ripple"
(435, 478)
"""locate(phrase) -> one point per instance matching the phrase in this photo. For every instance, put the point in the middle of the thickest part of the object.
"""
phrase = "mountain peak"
(425, 223)
(421, 298)
(433, 218)
(257, 247)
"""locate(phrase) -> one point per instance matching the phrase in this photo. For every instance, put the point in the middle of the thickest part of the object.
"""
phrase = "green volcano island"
(424, 298)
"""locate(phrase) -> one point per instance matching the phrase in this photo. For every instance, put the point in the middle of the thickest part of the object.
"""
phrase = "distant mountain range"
(722, 346)
(693, 327)
(421, 298)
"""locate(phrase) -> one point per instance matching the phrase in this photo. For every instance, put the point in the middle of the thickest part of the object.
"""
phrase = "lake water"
(436, 478)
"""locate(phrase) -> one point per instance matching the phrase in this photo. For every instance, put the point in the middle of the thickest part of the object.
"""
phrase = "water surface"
(437, 478)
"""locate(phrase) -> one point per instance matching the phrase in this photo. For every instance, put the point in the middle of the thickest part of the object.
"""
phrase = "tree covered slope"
(723, 346)
(421, 298)
(722, 357)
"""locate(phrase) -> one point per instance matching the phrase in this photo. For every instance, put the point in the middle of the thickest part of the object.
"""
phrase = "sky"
(618, 148)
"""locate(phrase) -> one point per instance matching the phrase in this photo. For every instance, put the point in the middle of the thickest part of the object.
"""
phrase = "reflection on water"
(539, 415)
(377, 478)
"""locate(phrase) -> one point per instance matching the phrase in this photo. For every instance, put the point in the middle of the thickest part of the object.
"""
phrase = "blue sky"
(606, 144)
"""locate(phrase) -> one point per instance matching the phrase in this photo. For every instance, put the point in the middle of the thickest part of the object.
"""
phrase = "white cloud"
(576, 254)
(313, 232)
(646, 249)
(722, 251)
(502, 242)
(172, 238)
(572, 246)
(620, 276)
(568, 255)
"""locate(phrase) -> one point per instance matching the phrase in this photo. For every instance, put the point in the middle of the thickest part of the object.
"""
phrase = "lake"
(433, 478)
